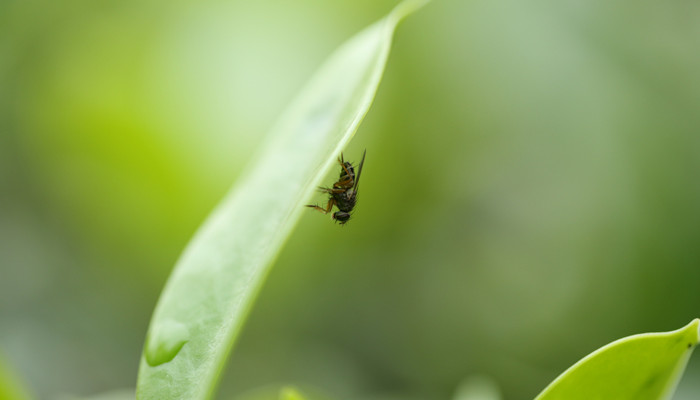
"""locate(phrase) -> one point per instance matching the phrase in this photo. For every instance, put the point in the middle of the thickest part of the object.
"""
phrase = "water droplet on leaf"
(164, 341)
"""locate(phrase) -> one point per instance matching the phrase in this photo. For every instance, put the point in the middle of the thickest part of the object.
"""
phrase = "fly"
(343, 194)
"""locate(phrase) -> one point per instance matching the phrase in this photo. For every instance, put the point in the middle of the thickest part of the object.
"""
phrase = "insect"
(343, 194)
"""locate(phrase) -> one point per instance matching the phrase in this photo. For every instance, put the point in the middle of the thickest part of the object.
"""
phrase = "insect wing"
(359, 171)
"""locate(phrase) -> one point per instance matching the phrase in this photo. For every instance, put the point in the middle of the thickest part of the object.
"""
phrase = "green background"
(531, 190)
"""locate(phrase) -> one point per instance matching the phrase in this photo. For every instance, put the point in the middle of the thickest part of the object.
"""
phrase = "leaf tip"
(691, 332)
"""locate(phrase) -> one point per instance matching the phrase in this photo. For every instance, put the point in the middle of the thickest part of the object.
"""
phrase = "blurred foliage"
(290, 394)
(10, 386)
(530, 191)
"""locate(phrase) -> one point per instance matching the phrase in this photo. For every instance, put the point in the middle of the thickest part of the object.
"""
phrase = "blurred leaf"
(204, 304)
(10, 386)
(478, 388)
(289, 393)
(121, 394)
(639, 367)
(273, 392)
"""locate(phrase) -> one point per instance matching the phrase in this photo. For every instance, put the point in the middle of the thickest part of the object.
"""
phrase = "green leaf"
(639, 367)
(203, 306)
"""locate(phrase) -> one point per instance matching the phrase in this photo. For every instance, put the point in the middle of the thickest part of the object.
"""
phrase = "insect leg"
(334, 190)
(351, 175)
(328, 208)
